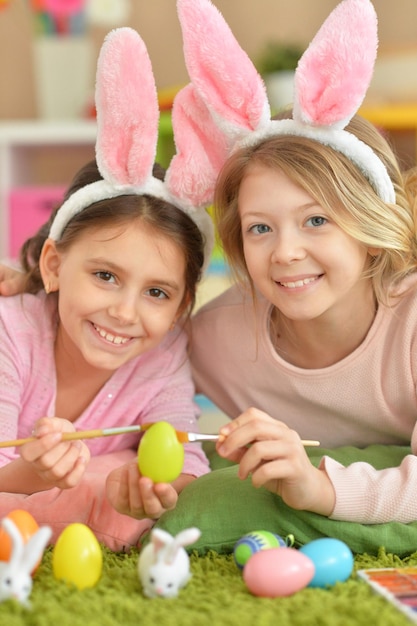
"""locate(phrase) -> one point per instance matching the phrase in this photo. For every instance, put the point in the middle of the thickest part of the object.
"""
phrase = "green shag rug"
(216, 595)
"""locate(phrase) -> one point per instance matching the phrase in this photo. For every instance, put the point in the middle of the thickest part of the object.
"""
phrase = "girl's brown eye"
(157, 293)
(106, 276)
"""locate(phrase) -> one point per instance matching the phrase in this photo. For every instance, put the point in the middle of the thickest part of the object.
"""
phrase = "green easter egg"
(160, 454)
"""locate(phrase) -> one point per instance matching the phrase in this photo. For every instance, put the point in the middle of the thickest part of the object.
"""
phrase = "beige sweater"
(367, 398)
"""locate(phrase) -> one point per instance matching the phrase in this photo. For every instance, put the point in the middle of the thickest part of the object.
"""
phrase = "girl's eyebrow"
(113, 267)
(302, 207)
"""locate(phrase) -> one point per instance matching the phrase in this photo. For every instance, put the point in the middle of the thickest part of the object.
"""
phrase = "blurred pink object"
(63, 8)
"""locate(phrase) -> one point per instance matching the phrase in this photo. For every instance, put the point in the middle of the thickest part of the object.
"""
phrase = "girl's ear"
(49, 264)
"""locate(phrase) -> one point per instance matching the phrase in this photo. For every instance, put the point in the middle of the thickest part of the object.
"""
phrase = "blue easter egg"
(253, 542)
(333, 561)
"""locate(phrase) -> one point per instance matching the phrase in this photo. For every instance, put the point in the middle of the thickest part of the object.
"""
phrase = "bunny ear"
(16, 539)
(221, 71)
(334, 73)
(33, 550)
(160, 538)
(183, 538)
(127, 127)
(188, 536)
(127, 109)
(201, 150)
(331, 81)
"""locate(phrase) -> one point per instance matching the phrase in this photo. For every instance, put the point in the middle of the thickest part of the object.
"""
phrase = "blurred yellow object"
(391, 116)
(166, 96)
(396, 118)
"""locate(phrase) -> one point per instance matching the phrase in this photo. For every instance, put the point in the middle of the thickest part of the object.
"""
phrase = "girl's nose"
(125, 308)
(288, 249)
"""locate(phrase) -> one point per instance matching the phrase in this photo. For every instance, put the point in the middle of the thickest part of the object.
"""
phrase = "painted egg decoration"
(277, 572)
(254, 541)
(77, 557)
(160, 454)
(27, 526)
(332, 558)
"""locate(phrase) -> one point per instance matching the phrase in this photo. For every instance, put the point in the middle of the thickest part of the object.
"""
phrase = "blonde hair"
(341, 189)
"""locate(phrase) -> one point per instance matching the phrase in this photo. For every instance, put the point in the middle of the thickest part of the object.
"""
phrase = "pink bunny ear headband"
(127, 134)
(331, 81)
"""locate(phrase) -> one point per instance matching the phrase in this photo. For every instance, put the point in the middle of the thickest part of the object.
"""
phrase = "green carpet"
(216, 595)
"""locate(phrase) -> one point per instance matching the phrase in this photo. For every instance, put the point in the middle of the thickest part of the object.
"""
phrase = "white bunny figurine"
(16, 574)
(164, 565)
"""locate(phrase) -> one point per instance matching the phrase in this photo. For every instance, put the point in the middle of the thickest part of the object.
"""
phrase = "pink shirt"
(154, 386)
(367, 398)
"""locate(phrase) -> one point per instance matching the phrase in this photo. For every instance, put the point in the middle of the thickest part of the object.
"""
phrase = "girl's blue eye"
(317, 220)
(157, 293)
(105, 276)
(259, 229)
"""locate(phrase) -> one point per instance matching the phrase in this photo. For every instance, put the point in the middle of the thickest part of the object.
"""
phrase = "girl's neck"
(323, 341)
(77, 384)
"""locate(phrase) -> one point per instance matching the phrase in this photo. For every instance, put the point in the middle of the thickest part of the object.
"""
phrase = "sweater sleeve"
(11, 383)
(370, 496)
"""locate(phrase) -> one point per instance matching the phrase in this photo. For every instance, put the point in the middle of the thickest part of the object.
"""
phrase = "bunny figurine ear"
(331, 81)
(15, 575)
(127, 135)
(183, 538)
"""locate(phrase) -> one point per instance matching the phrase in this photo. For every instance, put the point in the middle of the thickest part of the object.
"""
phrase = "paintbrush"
(183, 437)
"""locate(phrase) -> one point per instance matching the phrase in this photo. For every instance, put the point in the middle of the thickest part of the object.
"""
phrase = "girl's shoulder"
(234, 297)
(26, 311)
(405, 291)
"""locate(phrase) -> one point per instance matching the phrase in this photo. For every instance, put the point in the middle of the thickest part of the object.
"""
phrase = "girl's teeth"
(298, 283)
(109, 337)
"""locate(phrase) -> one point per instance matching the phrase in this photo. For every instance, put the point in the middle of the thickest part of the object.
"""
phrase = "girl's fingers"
(136, 491)
(167, 496)
(58, 463)
(40, 448)
(252, 431)
(289, 453)
(157, 498)
(74, 476)
(117, 489)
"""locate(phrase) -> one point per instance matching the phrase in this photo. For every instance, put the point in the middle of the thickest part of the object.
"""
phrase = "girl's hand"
(135, 495)
(11, 281)
(58, 463)
(276, 459)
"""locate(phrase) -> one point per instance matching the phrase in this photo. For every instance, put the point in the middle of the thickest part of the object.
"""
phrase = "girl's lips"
(110, 337)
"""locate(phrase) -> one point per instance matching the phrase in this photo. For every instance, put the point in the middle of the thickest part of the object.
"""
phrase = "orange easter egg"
(26, 525)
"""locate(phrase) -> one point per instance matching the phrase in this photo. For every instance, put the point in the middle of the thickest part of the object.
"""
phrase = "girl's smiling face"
(297, 257)
(120, 290)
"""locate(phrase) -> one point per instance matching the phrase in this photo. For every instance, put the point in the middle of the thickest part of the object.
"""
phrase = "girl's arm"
(370, 496)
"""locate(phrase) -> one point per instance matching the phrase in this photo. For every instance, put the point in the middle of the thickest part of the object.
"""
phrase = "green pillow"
(224, 508)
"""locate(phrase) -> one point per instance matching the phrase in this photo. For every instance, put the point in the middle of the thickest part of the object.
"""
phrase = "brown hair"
(340, 188)
(157, 214)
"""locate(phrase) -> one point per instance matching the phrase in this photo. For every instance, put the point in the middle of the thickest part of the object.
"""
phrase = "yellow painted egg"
(77, 557)
(160, 454)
